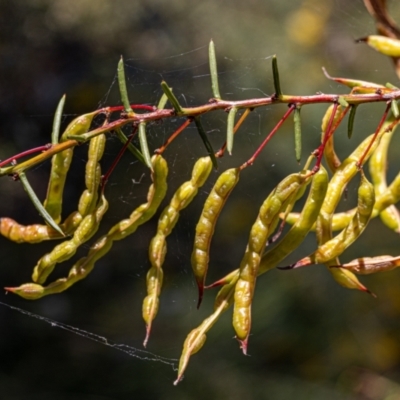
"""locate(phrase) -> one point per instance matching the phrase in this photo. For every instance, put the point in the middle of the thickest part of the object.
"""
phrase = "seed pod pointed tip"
(361, 40)
(243, 345)
(201, 293)
(147, 337)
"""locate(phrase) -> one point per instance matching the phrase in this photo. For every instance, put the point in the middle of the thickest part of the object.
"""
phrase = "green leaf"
(297, 133)
(213, 71)
(275, 72)
(57, 121)
(350, 123)
(230, 126)
(38, 205)
(171, 97)
(143, 144)
(206, 142)
(122, 87)
(133, 149)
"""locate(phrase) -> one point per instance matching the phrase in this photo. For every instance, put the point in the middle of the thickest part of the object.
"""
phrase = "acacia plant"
(375, 198)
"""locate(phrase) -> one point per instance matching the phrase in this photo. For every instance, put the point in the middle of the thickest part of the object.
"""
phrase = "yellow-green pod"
(303, 225)
(64, 251)
(197, 337)
(382, 44)
(377, 167)
(145, 211)
(89, 197)
(60, 164)
(283, 195)
(206, 225)
(331, 158)
(104, 244)
(37, 233)
(332, 248)
(158, 245)
(353, 83)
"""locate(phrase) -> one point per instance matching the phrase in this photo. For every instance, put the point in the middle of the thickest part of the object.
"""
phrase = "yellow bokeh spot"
(306, 25)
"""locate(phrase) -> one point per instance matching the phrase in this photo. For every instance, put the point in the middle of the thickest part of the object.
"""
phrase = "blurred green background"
(311, 339)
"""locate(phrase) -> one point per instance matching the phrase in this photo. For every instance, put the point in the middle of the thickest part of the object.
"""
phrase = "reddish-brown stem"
(26, 153)
(328, 133)
(251, 160)
(106, 176)
(221, 151)
(173, 136)
(161, 114)
(361, 160)
(54, 149)
(133, 106)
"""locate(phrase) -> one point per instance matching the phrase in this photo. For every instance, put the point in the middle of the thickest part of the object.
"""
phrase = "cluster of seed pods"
(238, 287)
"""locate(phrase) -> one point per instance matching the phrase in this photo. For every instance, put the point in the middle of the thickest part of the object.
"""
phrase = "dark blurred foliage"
(311, 338)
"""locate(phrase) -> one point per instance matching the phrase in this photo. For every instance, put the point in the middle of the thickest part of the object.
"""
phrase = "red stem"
(173, 136)
(269, 137)
(25, 153)
(133, 106)
(106, 176)
(361, 160)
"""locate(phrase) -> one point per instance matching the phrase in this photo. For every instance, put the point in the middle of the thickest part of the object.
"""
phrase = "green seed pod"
(158, 245)
(279, 199)
(382, 44)
(103, 245)
(206, 225)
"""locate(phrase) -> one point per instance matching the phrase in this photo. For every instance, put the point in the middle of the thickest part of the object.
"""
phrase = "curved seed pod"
(331, 158)
(371, 265)
(370, 90)
(271, 258)
(89, 197)
(64, 251)
(382, 44)
(37, 233)
(313, 203)
(389, 197)
(377, 168)
(60, 164)
(336, 186)
(206, 225)
(197, 337)
(352, 83)
(283, 195)
(340, 220)
(300, 229)
(103, 245)
(158, 245)
(342, 177)
(334, 247)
